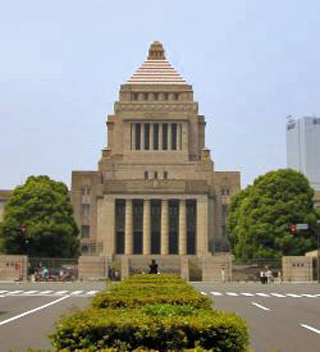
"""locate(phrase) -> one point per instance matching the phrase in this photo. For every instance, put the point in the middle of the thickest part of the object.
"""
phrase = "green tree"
(42, 206)
(260, 216)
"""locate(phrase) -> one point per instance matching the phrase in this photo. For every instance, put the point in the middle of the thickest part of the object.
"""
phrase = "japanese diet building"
(156, 191)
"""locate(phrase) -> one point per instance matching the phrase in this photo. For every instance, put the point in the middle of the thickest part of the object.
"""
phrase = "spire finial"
(156, 51)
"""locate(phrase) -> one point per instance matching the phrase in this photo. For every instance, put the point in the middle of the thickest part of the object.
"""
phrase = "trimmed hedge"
(128, 329)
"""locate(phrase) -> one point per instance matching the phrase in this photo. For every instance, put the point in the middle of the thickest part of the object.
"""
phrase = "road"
(280, 317)
(28, 311)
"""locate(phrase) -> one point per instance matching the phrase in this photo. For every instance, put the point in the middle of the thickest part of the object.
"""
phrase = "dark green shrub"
(168, 310)
(131, 329)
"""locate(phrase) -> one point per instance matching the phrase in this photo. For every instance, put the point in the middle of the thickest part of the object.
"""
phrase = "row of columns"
(179, 142)
(147, 227)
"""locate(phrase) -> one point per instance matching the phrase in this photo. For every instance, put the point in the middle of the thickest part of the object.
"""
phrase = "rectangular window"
(165, 175)
(155, 226)
(174, 136)
(85, 212)
(85, 231)
(164, 136)
(156, 175)
(191, 226)
(85, 190)
(137, 226)
(147, 136)
(173, 226)
(155, 136)
(138, 135)
(146, 175)
(120, 225)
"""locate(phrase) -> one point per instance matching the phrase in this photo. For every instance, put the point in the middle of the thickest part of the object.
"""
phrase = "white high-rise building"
(303, 147)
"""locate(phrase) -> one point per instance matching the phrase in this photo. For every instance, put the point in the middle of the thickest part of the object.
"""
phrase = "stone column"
(160, 135)
(202, 227)
(164, 227)
(184, 136)
(151, 136)
(142, 136)
(133, 136)
(106, 224)
(146, 227)
(128, 228)
(182, 228)
(169, 136)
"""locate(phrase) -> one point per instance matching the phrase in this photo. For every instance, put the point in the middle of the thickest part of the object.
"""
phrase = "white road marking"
(260, 306)
(91, 293)
(293, 295)
(32, 311)
(309, 295)
(61, 292)
(3, 291)
(216, 293)
(76, 292)
(15, 292)
(30, 292)
(311, 328)
(262, 294)
(203, 293)
(45, 292)
(233, 294)
(278, 295)
(247, 294)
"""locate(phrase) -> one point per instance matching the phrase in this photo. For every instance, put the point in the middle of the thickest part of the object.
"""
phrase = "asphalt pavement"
(280, 317)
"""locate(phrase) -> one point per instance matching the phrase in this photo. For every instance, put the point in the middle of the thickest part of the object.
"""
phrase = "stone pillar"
(184, 267)
(164, 227)
(106, 224)
(169, 136)
(151, 136)
(178, 136)
(202, 227)
(182, 228)
(142, 136)
(125, 267)
(128, 242)
(160, 136)
(146, 227)
(133, 135)
(184, 136)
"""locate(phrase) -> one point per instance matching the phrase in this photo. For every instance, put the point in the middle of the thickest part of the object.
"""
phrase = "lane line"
(278, 295)
(203, 293)
(33, 310)
(247, 294)
(4, 291)
(61, 292)
(45, 292)
(262, 294)
(215, 293)
(76, 292)
(310, 328)
(293, 295)
(260, 306)
(30, 292)
(233, 294)
(91, 293)
(309, 295)
(14, 292)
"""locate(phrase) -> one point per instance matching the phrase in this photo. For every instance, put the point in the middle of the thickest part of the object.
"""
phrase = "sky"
(251, 64)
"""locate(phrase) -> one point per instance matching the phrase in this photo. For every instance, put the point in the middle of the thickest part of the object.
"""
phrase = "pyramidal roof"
(156, 69)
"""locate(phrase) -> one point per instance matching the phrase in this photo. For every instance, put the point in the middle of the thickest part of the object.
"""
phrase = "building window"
(137, 226)
(147, 136)
(84, 249)
(224, 216)
(174, 227)
(155, 226)
(120, 225)
(138, 136)
(156, 175)
(165, 175)
(146, 175)
(85, 190)
(174, 136)
(85, 211)
(155, 136)
(85, 231)
(164, 136)
(191, 215)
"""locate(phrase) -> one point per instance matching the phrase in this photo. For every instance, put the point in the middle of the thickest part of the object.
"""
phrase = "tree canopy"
(260, 216)
(38, 220)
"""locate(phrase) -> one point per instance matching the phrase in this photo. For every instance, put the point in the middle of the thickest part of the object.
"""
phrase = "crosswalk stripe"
(262, 294)
(247, 294)
(15, 292)
(4, 291)
(203, 293)
(278, 295)
(91, 293)
(45, 292)
(293, 295)
(61, 292)
(233, 294)
(30, 292)
(76, 292)
(216, 293)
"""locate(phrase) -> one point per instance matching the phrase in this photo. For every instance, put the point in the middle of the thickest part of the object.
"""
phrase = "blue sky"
(251, 63)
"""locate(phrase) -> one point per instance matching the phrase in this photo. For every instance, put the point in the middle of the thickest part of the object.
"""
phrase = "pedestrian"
(262, 276)
(153, 267)
(268, 276)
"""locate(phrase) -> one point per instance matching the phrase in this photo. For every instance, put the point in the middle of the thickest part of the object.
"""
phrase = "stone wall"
(217, 268)
(297, 268)
(93, 267)
(13, 267)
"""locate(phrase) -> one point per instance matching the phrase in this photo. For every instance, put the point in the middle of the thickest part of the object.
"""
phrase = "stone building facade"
(156, 191)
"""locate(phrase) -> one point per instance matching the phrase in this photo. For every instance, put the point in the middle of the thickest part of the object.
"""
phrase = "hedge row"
(130, 329)
(148, 312)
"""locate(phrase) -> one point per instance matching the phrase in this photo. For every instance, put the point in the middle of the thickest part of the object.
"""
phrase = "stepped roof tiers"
(156, 191)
